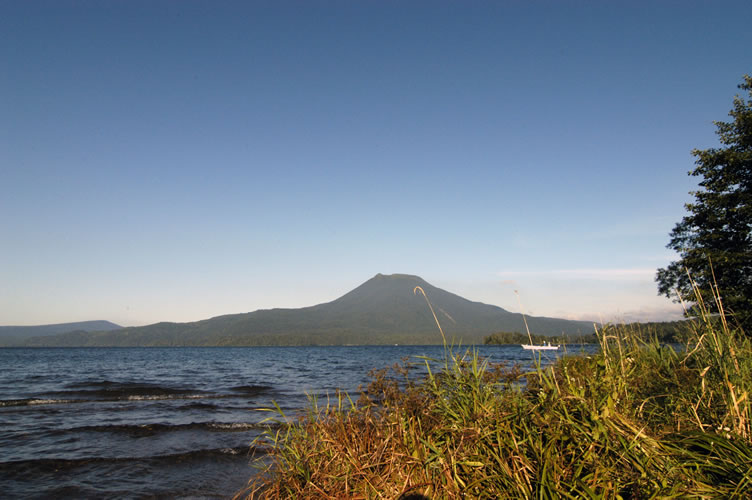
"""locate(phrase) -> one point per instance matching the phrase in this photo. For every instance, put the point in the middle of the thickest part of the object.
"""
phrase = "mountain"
(383, 310)
(10, 335)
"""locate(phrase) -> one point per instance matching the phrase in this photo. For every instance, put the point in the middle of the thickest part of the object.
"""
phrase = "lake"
(165, 422)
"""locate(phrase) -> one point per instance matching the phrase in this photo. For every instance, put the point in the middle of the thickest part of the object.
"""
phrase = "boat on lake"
(544, 347)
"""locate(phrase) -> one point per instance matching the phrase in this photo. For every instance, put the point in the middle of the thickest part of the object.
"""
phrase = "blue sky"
(173, 161)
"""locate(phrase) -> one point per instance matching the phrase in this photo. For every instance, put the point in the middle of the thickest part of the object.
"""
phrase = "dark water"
(162, 422)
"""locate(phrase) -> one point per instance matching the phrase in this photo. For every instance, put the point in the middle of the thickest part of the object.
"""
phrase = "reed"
(638, 420)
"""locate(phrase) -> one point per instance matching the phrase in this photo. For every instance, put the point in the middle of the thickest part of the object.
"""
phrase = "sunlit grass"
(638, 420)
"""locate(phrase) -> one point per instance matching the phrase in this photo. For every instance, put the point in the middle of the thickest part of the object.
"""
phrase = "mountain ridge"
(382, 310)
(13, 334)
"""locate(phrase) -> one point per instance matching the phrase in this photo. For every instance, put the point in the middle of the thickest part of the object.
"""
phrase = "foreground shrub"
(638, 420)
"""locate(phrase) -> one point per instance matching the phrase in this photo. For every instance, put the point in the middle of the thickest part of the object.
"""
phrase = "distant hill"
(383, 310)
(11, 335)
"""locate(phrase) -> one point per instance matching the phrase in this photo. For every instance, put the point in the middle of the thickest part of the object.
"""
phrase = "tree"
(714, 240)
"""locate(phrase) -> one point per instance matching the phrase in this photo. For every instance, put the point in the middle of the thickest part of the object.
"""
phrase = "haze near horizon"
(175, 161)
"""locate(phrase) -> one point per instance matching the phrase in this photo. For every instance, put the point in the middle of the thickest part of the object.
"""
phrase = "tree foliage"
(714, 240)
(511, 338)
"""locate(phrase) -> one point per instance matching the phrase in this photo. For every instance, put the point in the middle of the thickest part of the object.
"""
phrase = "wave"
(251, 389)
(151, 429)
(54, 401)
(120, 390)
(162, 397)
(54, 465)
(36, 401)
(111, 391)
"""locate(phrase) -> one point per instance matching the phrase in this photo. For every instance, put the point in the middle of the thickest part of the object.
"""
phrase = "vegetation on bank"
(512, 338)
(665, 332)
(639, 420)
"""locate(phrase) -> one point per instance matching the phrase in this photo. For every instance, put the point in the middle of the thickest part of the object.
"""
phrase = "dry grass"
(639, 420)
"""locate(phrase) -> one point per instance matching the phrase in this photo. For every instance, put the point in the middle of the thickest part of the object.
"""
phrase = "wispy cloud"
(642, 314)
(601, 274)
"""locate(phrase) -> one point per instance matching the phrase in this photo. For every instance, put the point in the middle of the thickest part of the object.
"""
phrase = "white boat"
(545, 347)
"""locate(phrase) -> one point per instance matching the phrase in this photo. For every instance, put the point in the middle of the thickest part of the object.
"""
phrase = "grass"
(638, 420)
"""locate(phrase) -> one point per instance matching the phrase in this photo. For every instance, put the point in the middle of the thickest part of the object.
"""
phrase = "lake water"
(164, 422)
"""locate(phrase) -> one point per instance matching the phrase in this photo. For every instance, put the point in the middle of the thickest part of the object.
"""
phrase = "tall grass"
(638, 420)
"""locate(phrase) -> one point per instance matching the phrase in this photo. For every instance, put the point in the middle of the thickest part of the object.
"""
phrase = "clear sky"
(177, 160)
